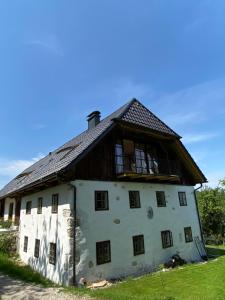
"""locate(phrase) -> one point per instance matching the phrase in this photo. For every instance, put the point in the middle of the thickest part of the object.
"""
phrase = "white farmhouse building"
(116, 200)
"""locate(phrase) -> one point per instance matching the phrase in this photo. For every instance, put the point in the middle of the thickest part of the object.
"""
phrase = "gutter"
(74, 231)
(199, 221)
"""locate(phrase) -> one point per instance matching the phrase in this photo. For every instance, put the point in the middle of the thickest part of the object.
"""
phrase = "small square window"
(52, 253)
(55, 202)
(103, 252)
(28, 207)
(182, 198)
(138, 244)
(167, 239)
(39, 206)
(36, 248)
(25, 244)
(134, 197)
(188, 234)
(101, 200)
(161, 199)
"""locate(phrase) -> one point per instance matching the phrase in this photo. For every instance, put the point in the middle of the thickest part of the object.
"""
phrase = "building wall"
(120, 223)
(49, 227)
(6, 211)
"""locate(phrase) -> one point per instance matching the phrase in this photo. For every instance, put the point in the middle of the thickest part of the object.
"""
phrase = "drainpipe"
(74, 231)
(199, 221)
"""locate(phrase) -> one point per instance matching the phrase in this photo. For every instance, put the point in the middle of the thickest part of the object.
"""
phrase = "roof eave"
(156, 132)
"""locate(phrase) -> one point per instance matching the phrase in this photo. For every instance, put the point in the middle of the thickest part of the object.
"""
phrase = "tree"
(211, 203)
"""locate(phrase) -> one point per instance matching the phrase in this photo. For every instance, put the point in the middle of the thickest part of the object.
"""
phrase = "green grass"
(195, 281)
(215, 251)
(9, 266)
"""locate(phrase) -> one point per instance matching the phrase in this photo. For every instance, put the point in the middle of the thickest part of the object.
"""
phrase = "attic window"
(23, 175)
(67, 150)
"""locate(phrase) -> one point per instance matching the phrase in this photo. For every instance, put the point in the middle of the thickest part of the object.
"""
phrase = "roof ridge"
(158, 118)
(56, 161)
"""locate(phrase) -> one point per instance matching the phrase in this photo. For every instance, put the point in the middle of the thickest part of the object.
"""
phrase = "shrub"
(5, 224)
(8, 243)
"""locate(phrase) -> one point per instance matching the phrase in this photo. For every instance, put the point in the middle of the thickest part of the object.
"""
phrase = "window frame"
(39, 207)
(182, 201)
(163, 238)
(25, 243)
(37, 248)
(28, 209)
(157, 193)
(52, 253)
(99, 248)
(106, 207)
(55, 204)
(138, 239)
(137, 200)
(190, 239)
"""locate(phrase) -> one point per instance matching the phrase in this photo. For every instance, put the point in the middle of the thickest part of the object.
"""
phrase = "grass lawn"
(196, 281)
(9, 266)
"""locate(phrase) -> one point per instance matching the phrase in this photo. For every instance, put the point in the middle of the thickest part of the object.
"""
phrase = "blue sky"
(59, 60)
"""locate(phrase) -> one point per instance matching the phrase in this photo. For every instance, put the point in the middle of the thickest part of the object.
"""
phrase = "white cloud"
(126, 89)
(196, 103)
(195, 138)
(11, 168)
(214, 177)
(48, 42)
(181, 118)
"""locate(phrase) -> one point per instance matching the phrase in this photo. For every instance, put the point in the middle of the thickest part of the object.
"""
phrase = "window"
(138, 244)
(103, 252)
(152, 160)
(141, 165)
(10, 211)
(28, 207)
(101, 200)
(36, 248)
(188, 234)
(119, 158)
(55, 202)
(167, 240)
(161, 200)
(182, 198)
(25, 244)
(134, 197)
(39, 206)
(52, 253)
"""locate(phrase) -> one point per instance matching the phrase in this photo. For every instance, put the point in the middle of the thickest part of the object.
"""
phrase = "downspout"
(74, 231)
(199, 221)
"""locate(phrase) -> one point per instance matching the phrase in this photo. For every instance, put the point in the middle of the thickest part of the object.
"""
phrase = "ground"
(16, 289)
(201, 281)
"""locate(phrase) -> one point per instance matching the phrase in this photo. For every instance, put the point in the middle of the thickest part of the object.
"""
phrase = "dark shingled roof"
(141, 116)
(132, 112)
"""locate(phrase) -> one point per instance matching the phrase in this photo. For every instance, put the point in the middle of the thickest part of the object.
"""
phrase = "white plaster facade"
(49, 228)
(6, 210)
(118, 224)
(98, 226)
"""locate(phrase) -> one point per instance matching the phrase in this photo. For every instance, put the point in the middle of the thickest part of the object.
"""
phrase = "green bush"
(8, 243)
(5, 224)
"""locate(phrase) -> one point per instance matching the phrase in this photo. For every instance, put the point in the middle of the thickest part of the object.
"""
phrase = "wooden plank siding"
(99, 164)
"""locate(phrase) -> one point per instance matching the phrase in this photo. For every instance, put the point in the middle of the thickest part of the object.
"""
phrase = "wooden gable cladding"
(100, 162)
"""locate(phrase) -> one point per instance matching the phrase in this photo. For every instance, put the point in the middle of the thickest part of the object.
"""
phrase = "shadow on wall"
(58, 272)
